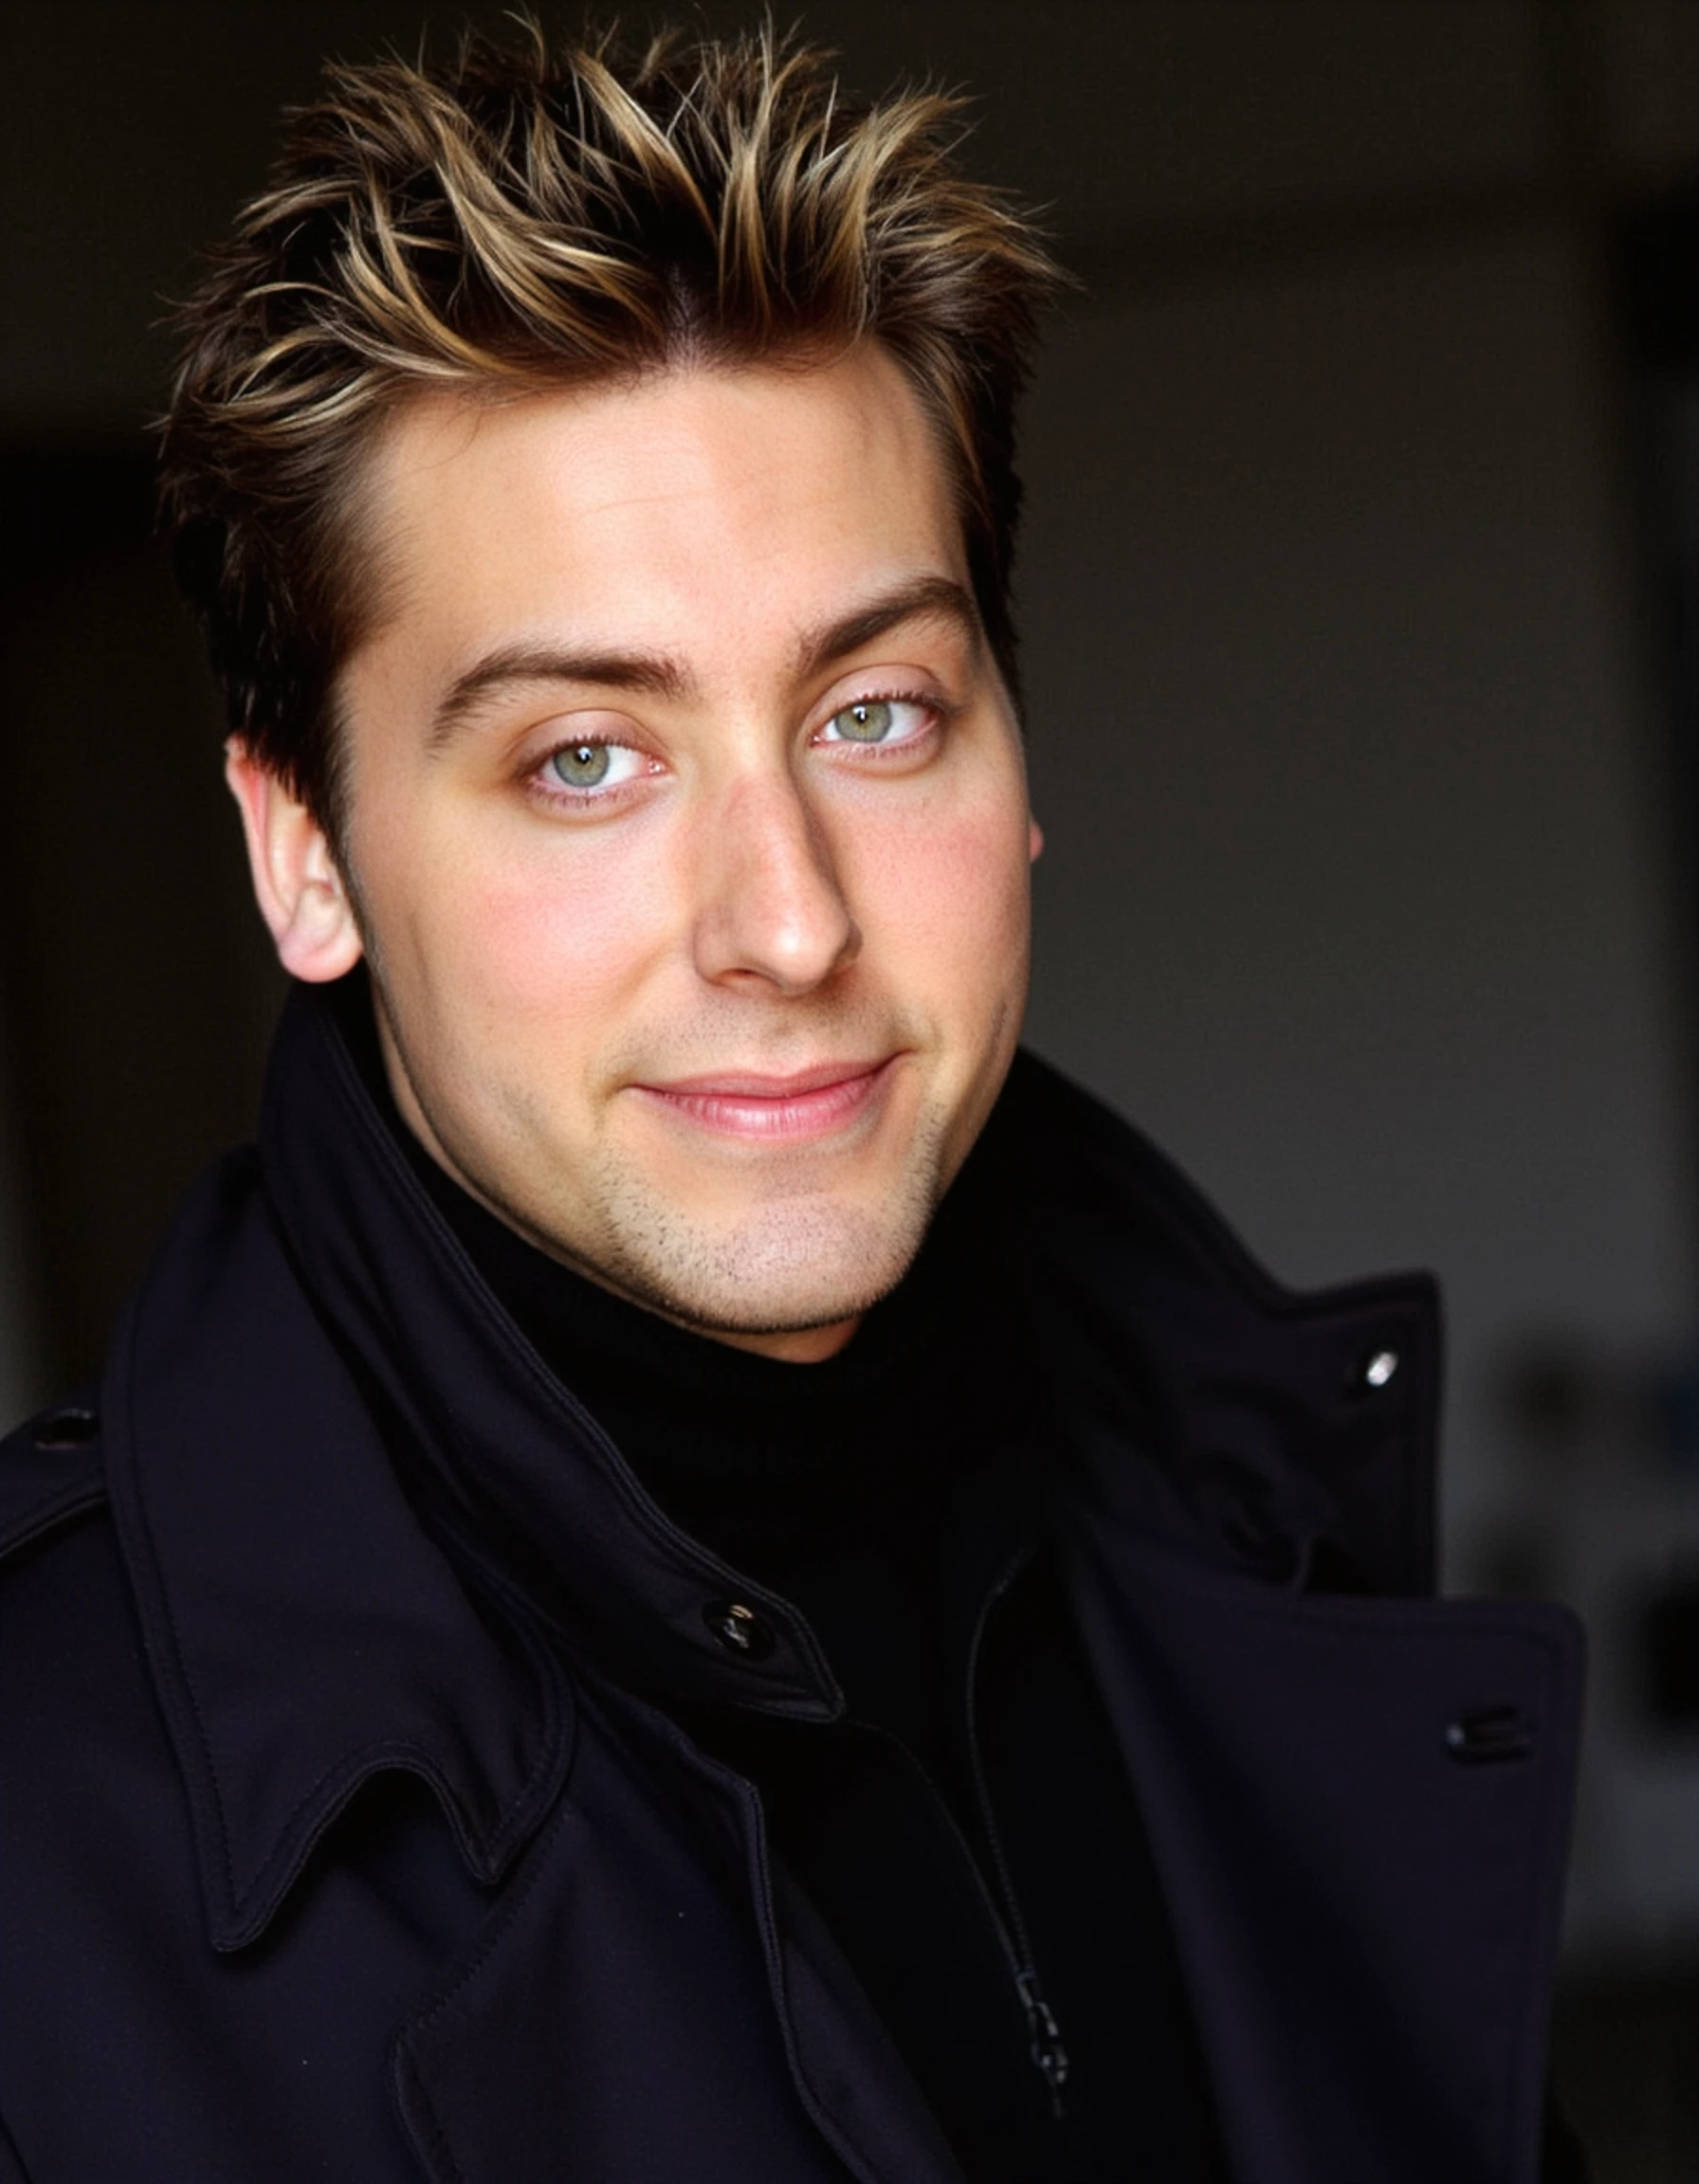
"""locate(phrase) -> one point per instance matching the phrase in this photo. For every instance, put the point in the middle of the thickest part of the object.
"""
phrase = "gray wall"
(1356, 892)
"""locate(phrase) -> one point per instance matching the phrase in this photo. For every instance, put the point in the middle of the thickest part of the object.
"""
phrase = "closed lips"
(806, 1104)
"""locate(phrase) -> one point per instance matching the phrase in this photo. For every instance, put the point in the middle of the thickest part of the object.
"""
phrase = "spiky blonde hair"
(521, 219)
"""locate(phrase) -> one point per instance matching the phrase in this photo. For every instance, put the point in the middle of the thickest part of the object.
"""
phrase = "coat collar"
(304, 1633)
(318, 1418)
(1289, 1435)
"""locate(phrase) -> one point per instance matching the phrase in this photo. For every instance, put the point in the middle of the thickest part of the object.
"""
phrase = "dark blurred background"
(1362, 602)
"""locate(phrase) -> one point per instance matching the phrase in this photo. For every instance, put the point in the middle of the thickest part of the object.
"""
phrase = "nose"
(770, 906)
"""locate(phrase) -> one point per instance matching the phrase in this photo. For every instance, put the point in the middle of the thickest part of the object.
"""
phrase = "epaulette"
(50, 1470)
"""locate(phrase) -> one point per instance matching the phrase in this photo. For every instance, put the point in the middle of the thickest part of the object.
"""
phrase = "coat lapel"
(1360, 1808)
(635, 2009)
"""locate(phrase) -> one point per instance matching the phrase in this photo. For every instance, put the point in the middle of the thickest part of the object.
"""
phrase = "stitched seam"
(157, 1573)
(556, 1714)
(761, 1888)
(41, 1514)
(422, 2022)
(349, 1774)
(1390, 1615)
(421, 2104)
(727, 1781)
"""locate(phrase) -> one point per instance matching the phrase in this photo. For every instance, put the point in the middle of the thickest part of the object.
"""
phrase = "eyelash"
(938, 713)
(559, 795)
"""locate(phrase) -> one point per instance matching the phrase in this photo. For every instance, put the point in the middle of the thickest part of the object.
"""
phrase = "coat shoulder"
(73, 1675)
(70, 1649)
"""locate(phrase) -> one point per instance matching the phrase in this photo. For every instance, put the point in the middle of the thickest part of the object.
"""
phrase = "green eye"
(582, 765)
(882, 723)
(593, 773)
(869, 721)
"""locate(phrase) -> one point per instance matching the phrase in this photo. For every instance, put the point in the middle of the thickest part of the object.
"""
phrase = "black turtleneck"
(839, 1484)
(968, 1821)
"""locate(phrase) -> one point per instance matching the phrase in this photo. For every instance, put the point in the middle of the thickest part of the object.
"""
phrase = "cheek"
(538, 943)
(948, 895)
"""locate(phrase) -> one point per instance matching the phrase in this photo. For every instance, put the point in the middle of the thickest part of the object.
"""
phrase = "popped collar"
(396, 1385)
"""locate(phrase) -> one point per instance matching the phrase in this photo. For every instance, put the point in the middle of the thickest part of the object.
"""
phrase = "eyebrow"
(939, 598)
(645, 671)
(935, 598)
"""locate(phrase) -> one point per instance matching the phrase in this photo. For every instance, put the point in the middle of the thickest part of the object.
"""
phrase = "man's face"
(688, 831)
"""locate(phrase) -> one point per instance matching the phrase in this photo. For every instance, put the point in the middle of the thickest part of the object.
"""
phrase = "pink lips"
(811, 1103)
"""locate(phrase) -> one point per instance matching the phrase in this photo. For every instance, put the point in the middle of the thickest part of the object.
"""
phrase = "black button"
(72, 1429)
(1490, 1732)
(739, 1628)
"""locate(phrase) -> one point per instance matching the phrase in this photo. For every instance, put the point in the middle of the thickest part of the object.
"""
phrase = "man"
(694, 1571)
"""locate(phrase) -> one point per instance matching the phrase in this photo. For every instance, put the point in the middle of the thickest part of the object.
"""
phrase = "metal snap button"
(739, 1628)
(1489, 1732)
(1378, 1369)
(71, 1429)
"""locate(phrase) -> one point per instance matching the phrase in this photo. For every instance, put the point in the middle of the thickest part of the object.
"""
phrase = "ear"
(300, 893)
(1034, 841)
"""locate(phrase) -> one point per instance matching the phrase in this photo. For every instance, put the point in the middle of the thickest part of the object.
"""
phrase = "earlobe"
(301, 892)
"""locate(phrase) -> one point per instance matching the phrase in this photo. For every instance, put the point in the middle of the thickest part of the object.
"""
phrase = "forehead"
(677, 502)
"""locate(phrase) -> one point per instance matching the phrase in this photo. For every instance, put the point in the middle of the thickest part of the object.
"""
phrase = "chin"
(788, 1272)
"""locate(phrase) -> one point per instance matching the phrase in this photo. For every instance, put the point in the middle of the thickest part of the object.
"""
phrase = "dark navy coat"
(337, 1844)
